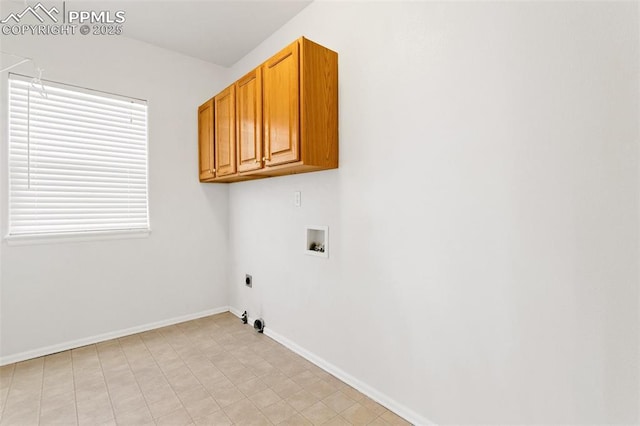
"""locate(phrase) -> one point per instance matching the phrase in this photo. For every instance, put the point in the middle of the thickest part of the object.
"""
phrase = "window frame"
(62, 235)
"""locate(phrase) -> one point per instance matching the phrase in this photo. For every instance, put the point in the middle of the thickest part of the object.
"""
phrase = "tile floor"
(210, 371)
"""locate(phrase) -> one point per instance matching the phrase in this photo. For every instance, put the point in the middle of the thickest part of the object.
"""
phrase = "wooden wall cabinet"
(205, 141)
(224, 124)
(281, 118)
(301, 109)
(249, 121)
(282, 106)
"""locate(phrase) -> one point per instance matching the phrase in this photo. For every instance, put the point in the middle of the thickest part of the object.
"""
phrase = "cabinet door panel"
(249, 121)
(281, 107)
(225, 142)
(205, 140)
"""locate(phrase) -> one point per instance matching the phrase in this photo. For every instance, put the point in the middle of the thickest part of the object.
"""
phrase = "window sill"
(19, 240)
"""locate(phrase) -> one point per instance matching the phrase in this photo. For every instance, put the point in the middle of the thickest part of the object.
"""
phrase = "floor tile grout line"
(75, 390)
(165, 377)
(338, 414)
(69, 369)
(279, 370)
(106, 385)
(245, 366)
(134, 376)
(187, 365)
(44, 359)
(194, 375)
(103, 379)
(227, 377)
(6, 398)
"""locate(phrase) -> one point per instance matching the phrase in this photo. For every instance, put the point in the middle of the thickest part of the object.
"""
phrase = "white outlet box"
(317, 241)
(297, 198)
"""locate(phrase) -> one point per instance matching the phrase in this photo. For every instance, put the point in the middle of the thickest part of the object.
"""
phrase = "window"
(77, 160)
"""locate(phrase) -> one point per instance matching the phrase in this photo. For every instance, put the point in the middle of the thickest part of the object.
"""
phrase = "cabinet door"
(205, 140)
(281, 107)
(225, 132)
(249, 121)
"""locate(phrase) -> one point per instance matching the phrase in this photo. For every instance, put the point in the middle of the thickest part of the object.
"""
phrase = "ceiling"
(216, 31)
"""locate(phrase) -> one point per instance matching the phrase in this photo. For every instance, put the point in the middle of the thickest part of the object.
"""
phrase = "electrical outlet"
(248, 280)
(297, 198)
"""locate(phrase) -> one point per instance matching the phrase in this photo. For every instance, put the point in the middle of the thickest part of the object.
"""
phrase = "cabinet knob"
(213, 170)
(264, 158)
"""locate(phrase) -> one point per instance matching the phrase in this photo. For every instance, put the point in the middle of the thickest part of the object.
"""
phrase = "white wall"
(638, 195)
(484, 218)
(60, 292)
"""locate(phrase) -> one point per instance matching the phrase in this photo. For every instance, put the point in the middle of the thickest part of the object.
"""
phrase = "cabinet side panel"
(319, 105)
(205, 140)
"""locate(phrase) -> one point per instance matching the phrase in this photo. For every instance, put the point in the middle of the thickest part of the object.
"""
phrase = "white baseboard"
(382, 399)
(235, 311)
(391, 404)
(48, 350)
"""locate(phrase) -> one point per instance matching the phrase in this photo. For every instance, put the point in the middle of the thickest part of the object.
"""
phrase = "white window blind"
(77, 160)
